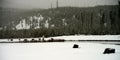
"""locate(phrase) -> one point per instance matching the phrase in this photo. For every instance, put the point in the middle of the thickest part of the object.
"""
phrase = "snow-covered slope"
(30, 22)
(37, 21)
(22, 25)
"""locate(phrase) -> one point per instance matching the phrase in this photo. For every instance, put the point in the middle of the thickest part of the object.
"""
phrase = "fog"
(30, 4)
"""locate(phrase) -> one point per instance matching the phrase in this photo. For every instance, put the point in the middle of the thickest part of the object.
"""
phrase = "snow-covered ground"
(89, 37)
(57, 51)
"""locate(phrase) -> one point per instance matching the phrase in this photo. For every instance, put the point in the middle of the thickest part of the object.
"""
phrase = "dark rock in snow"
(109, 51)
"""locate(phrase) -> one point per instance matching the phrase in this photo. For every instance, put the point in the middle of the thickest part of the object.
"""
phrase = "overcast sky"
(29, 4)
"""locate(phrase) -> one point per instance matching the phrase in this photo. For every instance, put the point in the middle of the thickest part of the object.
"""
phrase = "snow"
(38, 25)
(34, 17)
(89, 37)
(105, 24)
(64, 23)
(31, 18)
(46, 24)
(41, 17)
(56, 51)
(52, 25)
(22, 25)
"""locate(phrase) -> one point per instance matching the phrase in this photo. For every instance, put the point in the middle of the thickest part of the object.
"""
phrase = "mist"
(30, 4)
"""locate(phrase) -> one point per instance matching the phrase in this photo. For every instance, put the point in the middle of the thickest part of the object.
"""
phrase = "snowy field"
(57, 51)
(89, 37)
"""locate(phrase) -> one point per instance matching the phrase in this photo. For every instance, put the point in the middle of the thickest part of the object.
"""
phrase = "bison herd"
(43, 40)
(35, 40)
(106, 51)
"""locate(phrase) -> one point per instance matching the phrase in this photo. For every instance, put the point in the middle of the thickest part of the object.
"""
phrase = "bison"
(75, 46)
(109, 51)
(25, 40)
(33, 40)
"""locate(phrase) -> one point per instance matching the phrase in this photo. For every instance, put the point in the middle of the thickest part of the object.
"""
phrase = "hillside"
(59, 21)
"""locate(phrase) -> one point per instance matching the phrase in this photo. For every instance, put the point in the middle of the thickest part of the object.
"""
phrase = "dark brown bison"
(75, 46)
(11, 39)
(109, 51)
(33, 40)
(25, 40)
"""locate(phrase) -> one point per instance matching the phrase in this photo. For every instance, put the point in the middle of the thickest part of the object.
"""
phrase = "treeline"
(51, 32)
(34, 33)
(98, 20)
